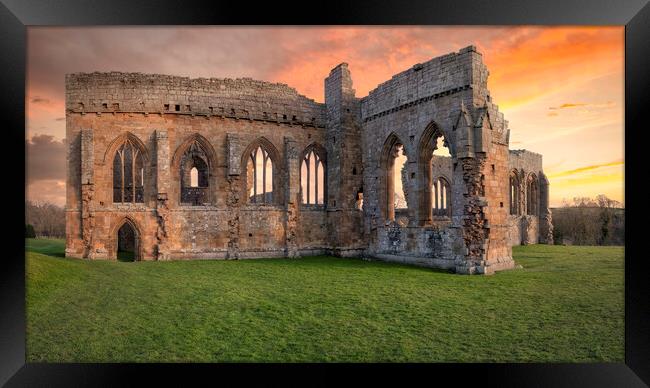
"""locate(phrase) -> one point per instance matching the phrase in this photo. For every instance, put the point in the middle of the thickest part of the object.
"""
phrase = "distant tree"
(29, 231)
(584, 202)
(605, 202)
(587, 221)
(47, 219)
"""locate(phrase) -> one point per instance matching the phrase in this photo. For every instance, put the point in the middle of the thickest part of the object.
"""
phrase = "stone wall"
(243, 98)
(530, 227)
(164, 118)
(169, 229)
(446, 96)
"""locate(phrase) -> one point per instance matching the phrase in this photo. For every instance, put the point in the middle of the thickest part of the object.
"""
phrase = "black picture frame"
(16, 15)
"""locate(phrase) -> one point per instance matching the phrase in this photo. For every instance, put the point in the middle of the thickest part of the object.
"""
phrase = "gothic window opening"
(514, 194)
(440, 188)
(395, 201)
(359, 201)
(195, 174)
(128, 174)
(260, 176)
(312, 177)
(400, 187)
(436, 168)
(194, 177)
(441, 197)
(532, 195)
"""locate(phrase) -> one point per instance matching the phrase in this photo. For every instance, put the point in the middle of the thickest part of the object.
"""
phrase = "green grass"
(565, 305)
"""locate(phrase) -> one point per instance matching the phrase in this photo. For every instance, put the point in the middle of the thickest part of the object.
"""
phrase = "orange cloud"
(569, 105)
(542, 59)
(525, 63)
(578, 104)
(586, 168)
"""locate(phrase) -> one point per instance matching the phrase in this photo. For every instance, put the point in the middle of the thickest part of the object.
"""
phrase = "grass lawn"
(565, 305)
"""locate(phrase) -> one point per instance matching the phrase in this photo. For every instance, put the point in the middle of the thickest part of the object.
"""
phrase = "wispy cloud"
(567, 105)
(586, 168)
(579, 104)
(39, 100)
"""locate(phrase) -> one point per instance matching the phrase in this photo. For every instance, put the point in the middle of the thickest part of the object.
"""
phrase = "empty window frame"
(128, 174)
(312, 177)
(194, 174)
(260, 176)
(441, 201)
(514, 194)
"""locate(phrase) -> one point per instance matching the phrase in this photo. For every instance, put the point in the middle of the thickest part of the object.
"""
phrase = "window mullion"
(122, 177)
(316, 180)
(254, 158)
(264, 159)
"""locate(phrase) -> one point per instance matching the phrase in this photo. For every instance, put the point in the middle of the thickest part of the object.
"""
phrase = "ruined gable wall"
(406, 105)
(524, 228)
(439, 91)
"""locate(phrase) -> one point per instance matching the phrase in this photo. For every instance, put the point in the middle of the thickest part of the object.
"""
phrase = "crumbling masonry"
(232, 169)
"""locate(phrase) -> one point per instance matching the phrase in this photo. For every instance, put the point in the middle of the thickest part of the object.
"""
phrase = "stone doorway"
(127, 243)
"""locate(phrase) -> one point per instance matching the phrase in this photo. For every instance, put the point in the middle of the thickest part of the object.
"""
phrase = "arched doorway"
(127, 243)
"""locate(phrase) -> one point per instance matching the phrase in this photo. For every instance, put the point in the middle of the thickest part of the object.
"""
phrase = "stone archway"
(127, 243)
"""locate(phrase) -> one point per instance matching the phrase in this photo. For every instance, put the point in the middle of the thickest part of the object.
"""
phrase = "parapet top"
(181, 81)
(145, 93)
(431, 63)
(340, 65)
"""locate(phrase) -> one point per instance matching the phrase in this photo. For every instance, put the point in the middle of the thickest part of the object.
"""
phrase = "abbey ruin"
(176, 168)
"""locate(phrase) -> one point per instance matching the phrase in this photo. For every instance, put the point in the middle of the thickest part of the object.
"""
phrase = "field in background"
(565, 305)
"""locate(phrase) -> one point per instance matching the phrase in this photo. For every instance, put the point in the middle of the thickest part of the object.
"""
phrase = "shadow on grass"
(46, 246)
(56, 248)
(347, 262)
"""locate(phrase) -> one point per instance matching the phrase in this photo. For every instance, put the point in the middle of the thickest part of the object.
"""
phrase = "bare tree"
(587, 221)
(48, 219)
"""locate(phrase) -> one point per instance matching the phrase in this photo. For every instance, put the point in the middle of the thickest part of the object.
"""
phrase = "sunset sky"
(560, 88)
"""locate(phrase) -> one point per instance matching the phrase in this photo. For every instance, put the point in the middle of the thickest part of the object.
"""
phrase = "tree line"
(43, 219)
(589, 221)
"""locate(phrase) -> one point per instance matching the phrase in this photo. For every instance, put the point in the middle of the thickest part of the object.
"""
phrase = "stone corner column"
(163, 177)
(545, 216)
(87, 191)
(292, 178)
(233, 201)
(474, 227)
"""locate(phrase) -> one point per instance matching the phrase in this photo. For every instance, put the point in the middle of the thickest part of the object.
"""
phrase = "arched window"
(312, 176)
(514, 193)
(260, 176)
(195, 173)
(441, 197)
(128, 174)
(395, 190)
(359, 200)
(435, 166)
(532, 195)
(194, 177)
